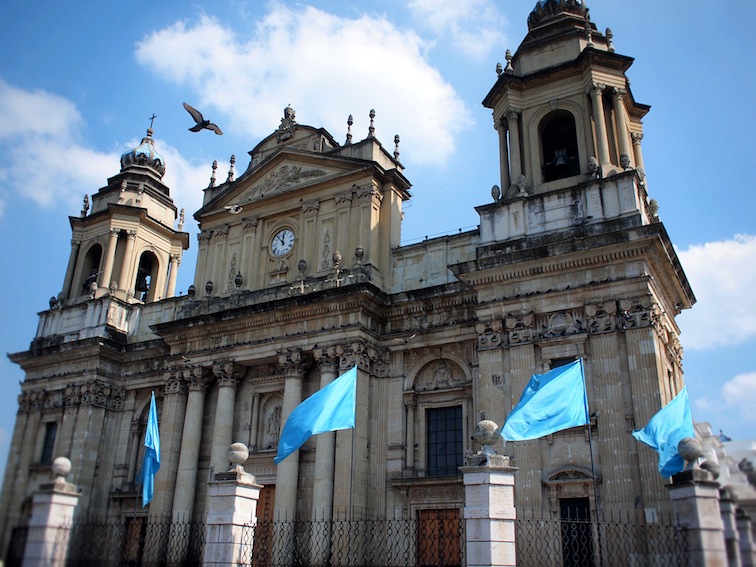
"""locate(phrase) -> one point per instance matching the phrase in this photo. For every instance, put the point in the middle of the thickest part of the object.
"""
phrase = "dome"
(144, 154)
(545, 9)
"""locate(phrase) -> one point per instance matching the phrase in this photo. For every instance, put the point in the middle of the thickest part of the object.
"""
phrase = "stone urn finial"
(487, 434)
(237, 456)
(61, 467)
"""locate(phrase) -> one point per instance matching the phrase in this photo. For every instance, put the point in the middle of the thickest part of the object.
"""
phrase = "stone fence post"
(695, 497)
(489, 504)
(233, 497)
(53, 508)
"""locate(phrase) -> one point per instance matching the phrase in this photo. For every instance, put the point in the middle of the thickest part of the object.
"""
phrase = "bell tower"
(125, 245)
(562, 104)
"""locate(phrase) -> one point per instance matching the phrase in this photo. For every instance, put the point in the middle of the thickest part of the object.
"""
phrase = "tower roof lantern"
(547, 9)
(144, 155)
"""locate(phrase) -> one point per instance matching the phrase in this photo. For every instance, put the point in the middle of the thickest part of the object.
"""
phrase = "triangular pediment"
(285, 172)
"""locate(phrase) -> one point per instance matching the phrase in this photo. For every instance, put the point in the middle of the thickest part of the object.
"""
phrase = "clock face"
(282, 242)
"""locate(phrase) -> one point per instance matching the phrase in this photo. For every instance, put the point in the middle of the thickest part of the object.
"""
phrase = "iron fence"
(399, 542)
(422, 541)
(623, 540)
(134, 541)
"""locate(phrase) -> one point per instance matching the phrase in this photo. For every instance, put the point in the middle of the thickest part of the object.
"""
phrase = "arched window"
(90, 269)
(146, 276)
(559, 146)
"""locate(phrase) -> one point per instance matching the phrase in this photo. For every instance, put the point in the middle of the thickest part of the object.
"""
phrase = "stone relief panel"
(560, 324)
(520, 329)
(94, 392)
(441, 375)
(283, 178)
(601, 317)
(489, 335)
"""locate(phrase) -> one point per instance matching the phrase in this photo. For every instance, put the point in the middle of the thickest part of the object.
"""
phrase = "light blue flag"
(551, 402)
(330, 409)
(666, 429)
(151, 462)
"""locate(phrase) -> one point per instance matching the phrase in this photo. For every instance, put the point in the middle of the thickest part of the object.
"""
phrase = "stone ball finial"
(237, 455)
(486, 432)
(690, 449)
(61, 467)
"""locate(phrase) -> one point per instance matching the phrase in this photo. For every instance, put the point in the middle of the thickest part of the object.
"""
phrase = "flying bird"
(201, 122)
(234, 209)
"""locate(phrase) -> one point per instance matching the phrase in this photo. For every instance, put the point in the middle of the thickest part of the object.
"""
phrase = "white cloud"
(740, 393)
(39, 136)
(723, 277)
(472, 26)
(325, 66)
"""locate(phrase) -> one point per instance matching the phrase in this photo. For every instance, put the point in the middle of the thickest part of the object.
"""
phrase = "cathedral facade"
(300, 276)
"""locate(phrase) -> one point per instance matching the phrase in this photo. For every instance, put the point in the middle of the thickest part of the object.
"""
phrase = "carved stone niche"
(489, 335)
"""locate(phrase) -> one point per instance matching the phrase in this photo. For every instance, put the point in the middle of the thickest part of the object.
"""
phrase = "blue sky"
(79, 81)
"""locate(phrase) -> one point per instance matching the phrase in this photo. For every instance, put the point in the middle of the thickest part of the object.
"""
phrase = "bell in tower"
(563, 103)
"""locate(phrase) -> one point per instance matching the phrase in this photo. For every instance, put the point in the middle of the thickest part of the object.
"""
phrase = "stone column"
(515, 159)
(107, 269)
(622, 130)
(287, 472)
(602, 142)
(126, 266)
(232, 511)
(325, 443)
(503, 157)
(72, 258)
(53, 507)
(695, 497)
(638, 152)
(175, 263)
(490, 512)
(186, 475)
(223, 429)
(171, 428)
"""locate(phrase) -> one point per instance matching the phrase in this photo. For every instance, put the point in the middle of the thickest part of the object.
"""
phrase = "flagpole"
(590, 441)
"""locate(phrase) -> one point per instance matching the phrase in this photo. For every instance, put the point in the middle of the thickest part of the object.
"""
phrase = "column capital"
(114, 231)
(203, 237)
(249, 224)
(227, 373)
(132, 234)
(618, 93)
(291, 362)
(637, 137)
(596, 89)
(512, 113)
(326, 358)
(175, 384)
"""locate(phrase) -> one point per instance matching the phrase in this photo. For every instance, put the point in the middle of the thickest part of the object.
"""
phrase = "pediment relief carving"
(282, 178)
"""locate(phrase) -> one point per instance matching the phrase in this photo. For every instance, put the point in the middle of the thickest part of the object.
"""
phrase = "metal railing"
(134, 541)
(624, 540)
(399, 542)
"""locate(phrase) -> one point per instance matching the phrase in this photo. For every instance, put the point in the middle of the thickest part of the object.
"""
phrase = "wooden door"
(439, 538)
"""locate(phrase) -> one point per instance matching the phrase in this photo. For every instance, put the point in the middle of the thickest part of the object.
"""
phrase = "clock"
(282, 243)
